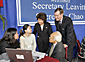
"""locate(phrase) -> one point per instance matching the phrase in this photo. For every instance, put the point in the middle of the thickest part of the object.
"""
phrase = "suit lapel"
(44, 27)
(57, 25)
(39, 27)
(62, 25)
(55, 49)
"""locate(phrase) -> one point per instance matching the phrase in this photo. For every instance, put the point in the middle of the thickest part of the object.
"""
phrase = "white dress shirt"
(42, 27)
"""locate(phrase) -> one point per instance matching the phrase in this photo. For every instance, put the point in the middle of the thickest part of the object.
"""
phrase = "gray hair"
(58, 36)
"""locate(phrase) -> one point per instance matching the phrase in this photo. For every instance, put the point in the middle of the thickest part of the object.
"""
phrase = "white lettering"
(75, 7)
(34, 5)
(61, 1)
(74, 16)
(46, 6)
(50, 17)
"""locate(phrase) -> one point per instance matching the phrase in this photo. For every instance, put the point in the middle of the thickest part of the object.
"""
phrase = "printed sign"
(27, 10)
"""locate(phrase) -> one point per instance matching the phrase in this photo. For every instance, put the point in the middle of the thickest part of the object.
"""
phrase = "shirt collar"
(61, 20)
(54, 44)
(42, 24)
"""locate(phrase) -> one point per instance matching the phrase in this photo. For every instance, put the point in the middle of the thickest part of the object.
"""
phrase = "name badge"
(38, 36)
(62, 28)
(46, 27)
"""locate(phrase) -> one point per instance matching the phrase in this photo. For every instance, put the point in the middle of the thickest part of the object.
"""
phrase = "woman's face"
(16, 36)
(29, 30)
(40, 21)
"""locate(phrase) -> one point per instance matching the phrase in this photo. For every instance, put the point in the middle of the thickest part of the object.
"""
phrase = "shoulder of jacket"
(66, 17)
(32, 34)
(36, 23)
(21, 37)
(47, 23)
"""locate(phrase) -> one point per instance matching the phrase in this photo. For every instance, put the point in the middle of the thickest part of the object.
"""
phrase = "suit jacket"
(58, 52)
(43, 36)
(67, 31)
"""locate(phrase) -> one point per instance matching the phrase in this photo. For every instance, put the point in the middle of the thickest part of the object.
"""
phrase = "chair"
(80, 54)
(66, 49)
(79, 47)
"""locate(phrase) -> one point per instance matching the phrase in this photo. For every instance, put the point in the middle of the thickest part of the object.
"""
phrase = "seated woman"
(9, 40)
(27, 40)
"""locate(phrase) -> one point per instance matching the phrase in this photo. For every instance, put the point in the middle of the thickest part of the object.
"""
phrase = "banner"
(28, 9)
(1, 3)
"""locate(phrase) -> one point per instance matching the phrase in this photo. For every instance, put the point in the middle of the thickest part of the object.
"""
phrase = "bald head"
(55, 37)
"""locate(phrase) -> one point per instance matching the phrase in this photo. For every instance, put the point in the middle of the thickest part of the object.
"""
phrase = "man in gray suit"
(57, 49)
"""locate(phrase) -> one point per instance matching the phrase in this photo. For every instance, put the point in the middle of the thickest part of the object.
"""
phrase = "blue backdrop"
(12, 11)
(27, 10)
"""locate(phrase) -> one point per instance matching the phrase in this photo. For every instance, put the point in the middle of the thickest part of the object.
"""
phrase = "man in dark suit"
(44, 30)
(57, 49)
(65, 26)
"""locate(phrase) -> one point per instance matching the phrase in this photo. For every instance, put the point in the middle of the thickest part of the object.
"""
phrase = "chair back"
(79, 46)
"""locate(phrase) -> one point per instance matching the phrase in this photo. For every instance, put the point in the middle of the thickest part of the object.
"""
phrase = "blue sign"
(28, 9)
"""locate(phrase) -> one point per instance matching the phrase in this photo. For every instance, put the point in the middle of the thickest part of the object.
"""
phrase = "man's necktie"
(51, 50)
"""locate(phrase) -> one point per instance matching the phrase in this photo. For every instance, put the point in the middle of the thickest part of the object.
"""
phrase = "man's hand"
(65, 45)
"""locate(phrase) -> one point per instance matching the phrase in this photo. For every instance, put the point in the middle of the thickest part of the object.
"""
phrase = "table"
(48, 59)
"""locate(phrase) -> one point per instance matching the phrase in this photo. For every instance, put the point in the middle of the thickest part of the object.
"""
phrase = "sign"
(27, 10)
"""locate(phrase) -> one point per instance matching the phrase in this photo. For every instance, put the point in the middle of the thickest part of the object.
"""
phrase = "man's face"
(58, 16)
(51, 38)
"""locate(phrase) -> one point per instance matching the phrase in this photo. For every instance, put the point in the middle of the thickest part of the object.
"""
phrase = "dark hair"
(59, 9)
(42, 16)
(22, 31)
(9, 35)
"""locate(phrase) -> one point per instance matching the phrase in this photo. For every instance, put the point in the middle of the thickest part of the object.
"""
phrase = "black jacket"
(4, 44)
(43, 36)
(67, 31)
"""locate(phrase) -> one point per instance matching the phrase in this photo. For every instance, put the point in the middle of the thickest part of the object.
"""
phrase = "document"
(39, 55)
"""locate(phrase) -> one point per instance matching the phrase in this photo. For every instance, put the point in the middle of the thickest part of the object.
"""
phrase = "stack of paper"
(39, 55)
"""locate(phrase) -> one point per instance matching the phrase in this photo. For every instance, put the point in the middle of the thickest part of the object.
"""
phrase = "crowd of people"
(64, 36)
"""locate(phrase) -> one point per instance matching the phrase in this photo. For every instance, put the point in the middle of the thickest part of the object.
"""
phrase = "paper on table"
(38, 54)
